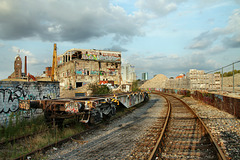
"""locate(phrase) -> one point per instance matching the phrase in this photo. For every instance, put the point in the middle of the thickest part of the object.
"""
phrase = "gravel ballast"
(224, 127)
(121, 136)
(117, 139)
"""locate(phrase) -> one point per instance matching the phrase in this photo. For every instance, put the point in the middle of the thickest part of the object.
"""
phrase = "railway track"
(184, 135)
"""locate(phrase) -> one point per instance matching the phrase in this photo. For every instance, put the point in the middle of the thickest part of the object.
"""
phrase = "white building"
(128, 73)
(202, 81)
(196, 80)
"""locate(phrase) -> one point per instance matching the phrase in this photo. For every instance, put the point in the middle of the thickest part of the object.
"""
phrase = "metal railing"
(230, 77)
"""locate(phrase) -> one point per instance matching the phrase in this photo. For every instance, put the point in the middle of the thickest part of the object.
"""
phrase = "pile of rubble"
(156, 82)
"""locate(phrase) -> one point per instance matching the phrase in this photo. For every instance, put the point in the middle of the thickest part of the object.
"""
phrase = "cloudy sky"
(156, 36)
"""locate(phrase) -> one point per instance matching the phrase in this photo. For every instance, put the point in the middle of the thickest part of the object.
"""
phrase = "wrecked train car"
(85, 109)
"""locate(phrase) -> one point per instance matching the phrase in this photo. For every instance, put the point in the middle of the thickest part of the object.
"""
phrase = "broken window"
(79, 84)
(77, 54)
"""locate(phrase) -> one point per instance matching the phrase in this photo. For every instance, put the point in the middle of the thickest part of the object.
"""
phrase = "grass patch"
(11, 151)
(21, 127)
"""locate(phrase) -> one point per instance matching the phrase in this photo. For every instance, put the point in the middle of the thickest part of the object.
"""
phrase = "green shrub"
(99, 89)
(135, 86)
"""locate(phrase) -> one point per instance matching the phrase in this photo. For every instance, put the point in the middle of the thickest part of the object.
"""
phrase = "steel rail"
(220, 153)
(157, 148)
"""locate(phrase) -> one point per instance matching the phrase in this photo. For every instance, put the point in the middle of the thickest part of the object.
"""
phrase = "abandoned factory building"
(77, 67)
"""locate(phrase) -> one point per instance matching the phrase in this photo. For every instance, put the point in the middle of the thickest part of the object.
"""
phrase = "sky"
(156, 36)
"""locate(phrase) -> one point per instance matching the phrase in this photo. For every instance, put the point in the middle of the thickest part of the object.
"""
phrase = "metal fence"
(230, 77)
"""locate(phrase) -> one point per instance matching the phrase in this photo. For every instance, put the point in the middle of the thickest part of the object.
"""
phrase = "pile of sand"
(156, 82)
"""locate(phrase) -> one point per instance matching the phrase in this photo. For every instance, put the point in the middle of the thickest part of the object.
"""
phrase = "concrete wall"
(12, 91)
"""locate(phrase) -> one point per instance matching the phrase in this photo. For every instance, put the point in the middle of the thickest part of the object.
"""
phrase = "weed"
(99, 89)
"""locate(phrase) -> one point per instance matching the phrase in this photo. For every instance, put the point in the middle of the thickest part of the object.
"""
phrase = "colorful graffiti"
(101, 57)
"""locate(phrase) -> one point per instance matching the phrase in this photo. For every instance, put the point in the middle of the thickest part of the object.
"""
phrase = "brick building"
(77, 67)
(17, 68)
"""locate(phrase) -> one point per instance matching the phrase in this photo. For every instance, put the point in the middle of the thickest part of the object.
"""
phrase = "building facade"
(196, 80)
(128, 73)
(77, 67)
(145, 76)
(202, 81)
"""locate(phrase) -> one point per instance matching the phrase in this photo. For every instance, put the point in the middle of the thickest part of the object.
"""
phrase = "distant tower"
(18, 67)
(145, 76)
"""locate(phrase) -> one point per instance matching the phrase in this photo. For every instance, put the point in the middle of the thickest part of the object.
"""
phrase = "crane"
(54, 62)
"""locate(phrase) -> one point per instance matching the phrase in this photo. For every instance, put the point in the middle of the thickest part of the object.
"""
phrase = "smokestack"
(25, 69)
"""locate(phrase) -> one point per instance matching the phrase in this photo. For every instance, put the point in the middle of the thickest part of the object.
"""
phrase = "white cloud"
(74, 21)
(21, 51)
(229, 35)
(158, 7)
(54, 29)
(201, 44)
(171, 65)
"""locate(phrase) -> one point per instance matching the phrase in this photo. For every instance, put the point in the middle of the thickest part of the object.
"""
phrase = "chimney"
(25, 70)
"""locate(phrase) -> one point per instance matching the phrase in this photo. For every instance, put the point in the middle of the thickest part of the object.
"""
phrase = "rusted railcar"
(84, 109)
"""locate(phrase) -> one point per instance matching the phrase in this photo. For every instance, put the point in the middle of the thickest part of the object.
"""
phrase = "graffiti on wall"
(10, 96)
(104, 57)
(87, 72)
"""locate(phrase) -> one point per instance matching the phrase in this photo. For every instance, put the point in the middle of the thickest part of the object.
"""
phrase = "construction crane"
(54, 61)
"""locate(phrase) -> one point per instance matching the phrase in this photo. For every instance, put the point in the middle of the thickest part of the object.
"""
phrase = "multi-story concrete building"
(196, 80)
(77, 67)
(202, 81)
(128, 73)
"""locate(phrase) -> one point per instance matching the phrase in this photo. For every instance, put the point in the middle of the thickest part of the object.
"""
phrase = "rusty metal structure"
(54, 61)
(85, 109)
